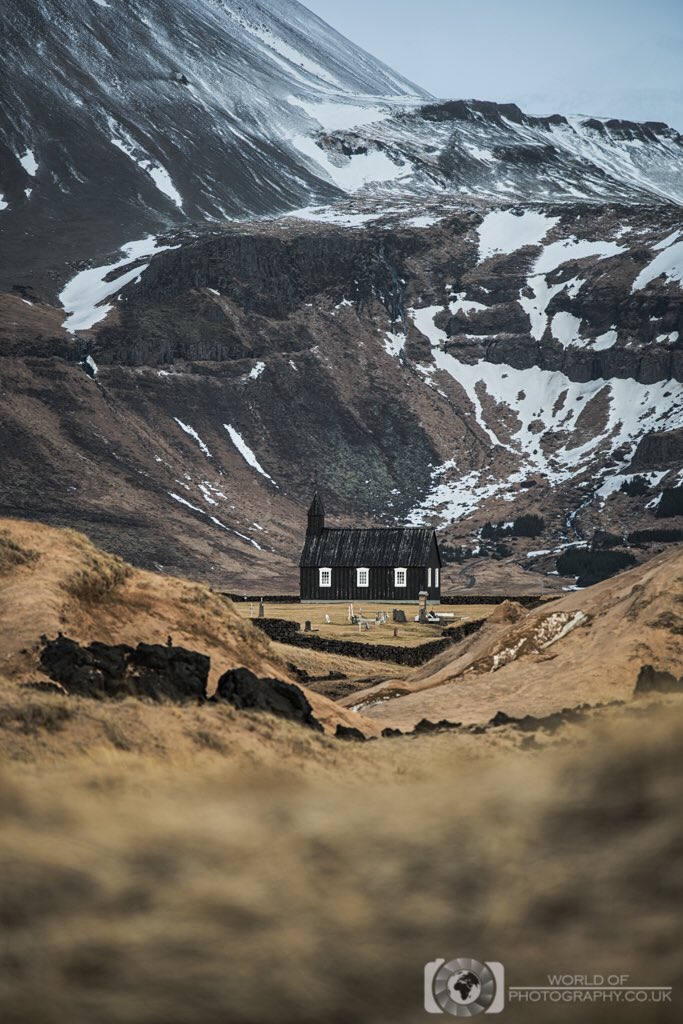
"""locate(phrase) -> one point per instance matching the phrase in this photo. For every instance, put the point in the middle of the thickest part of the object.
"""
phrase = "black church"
(378, 564)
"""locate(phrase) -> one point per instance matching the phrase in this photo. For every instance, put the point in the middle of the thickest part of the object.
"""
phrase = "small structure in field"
(390, 563)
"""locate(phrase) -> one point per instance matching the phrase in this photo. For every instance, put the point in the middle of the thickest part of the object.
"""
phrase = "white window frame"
(429, 577)
(436, 577)
(362, 578)
(325, 577)
(400, 578)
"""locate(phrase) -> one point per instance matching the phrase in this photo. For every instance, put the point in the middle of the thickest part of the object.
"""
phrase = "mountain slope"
(160, 114)
(491, 365)
(471, 314)
(177, 115)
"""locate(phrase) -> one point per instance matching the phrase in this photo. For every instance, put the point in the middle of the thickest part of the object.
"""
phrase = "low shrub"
(655, 536)
(12, 554)
(593, 566)
(636, 487)
(102, 575)
(528, 526)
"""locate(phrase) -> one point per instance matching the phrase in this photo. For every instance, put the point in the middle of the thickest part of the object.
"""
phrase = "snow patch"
(669, 262)
(29, 163)
(557, 253)
(566, 328)
(158, 174)
(83, 295)
(422, 222)
(393, 343)
(503, 231)
(353, 172)
(460, 304)
(256, 371)
(339, 116)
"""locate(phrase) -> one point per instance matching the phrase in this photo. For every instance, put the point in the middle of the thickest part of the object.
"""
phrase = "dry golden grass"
(136, 892)
(164, 864)
(58, 581)
(13, 554)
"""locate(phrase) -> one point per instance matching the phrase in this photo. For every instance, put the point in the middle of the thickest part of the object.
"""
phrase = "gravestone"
(399, 615)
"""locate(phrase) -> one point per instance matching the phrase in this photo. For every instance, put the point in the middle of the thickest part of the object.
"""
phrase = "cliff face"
(490, 363)
(580, 299)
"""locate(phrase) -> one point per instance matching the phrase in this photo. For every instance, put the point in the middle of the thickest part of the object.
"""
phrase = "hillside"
(161, 116)
(590, 647)
(56, 582)
(493, 364)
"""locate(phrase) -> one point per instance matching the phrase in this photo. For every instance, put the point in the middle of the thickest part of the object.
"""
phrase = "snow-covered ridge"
(223, 110)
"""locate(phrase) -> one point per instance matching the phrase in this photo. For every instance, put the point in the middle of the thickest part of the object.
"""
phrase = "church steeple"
(316, 515)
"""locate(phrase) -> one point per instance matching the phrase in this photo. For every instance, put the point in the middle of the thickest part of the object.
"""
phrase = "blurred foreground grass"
(135, 890)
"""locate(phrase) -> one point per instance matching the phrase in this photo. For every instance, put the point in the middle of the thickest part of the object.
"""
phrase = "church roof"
(377, 546)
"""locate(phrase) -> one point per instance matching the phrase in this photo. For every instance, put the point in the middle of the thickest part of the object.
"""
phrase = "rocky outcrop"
(663, 450)
(116, 671)
(235, 296)
(249, 294)
(245, 691)
(652, 680)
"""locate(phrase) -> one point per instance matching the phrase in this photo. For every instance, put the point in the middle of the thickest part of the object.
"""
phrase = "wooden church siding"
(379, 550)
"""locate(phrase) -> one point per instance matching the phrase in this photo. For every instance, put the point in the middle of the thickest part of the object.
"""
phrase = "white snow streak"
(158, 174)
(193, 433)
(246, 452)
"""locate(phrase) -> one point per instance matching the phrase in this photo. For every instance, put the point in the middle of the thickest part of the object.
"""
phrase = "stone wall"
(286, 632)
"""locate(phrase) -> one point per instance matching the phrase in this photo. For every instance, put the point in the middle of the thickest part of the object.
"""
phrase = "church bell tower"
(316, 516)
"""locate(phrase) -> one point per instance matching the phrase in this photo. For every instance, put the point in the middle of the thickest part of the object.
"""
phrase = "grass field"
(408, 634)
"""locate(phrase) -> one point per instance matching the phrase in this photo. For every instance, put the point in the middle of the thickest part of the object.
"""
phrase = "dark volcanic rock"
(244, 690)
(652, 680)
(663, 450)
(425, 726)
(167, 316)
(347, 732)
(116, 671)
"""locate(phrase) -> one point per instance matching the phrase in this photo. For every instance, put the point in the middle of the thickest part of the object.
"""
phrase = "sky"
(616, 58)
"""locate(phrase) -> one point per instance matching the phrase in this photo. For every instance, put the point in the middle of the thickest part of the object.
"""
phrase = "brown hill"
(588, 647)
(54, 581)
